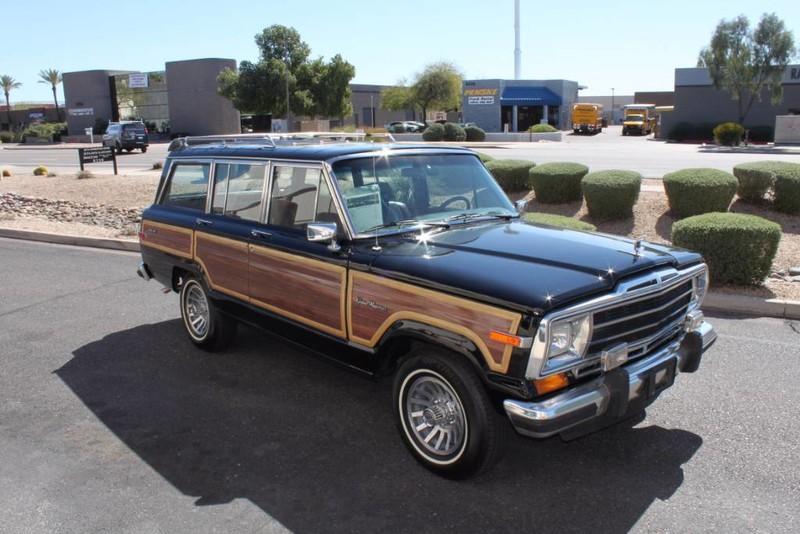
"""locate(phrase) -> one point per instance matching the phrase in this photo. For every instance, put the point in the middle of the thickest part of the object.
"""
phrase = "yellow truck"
(587, 118)
(639, 119)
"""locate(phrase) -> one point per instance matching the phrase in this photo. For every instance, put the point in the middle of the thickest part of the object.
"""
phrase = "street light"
(612, 105)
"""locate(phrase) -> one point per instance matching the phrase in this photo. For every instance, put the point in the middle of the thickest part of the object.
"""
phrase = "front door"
(290, 276)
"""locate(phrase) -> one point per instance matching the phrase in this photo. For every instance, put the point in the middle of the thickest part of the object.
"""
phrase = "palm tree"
(53, 77)
(8, 83)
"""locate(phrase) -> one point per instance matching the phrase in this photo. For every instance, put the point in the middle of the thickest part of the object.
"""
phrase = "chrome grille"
(642, 324)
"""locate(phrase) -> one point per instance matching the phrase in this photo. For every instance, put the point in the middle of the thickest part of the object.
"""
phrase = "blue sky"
(623, 44)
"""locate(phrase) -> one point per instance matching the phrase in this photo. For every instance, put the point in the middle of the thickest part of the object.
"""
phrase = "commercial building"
(498, 105)
(697, 102)
(180, 99)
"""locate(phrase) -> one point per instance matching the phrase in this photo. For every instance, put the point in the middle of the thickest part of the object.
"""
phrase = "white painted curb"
(75, 240)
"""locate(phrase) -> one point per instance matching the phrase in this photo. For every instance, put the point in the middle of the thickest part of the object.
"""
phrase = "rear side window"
(238, 188)
(136, 128)
(187, 187)
(300, 196)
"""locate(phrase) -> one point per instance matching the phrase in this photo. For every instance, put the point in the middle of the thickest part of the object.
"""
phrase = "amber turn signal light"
(551, 383)
(505, 339)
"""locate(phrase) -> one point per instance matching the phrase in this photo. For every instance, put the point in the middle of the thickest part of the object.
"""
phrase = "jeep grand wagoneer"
(411, 261)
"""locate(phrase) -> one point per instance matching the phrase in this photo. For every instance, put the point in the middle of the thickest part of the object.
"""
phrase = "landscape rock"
(67, 211)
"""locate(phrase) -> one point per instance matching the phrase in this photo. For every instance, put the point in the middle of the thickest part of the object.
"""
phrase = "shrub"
(49, 129)
(511, 174)
(40, 171)
(484, 157)
(542, 128)
(474, 133)
(6, 137)
(158, 165)
(787, 189)
(728, 133)
(611, 194)
(760, 134)
(695, 191)
(688, 131)
(755, 179)
(84, 175)
(556, 183)
(454, 132)
(560, 221)
(6, 173)
(434, 132)
(738, 248)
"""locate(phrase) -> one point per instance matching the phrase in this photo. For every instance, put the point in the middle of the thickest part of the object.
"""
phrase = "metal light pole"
(372, 109)
(517, 49)
(612, 105)
(288, 111)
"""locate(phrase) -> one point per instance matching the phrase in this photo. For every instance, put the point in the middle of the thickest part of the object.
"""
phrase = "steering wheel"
(290, 196)
(450, 200)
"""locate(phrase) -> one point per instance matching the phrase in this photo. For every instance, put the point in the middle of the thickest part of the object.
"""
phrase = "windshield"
(394, 190)
(634, 118)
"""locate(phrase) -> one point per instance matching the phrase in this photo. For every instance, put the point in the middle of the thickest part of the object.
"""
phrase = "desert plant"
(84, 175)
(695, 191)
(474, 133)
(760, 134)
(6, 173)
(454, 132)
(434, 132)
(738, 248)
(728, 133)
(611, 194)
(511, 174)
(41, 170)
(542, 128)
(560, 221)
(555, 183)
(158, 166)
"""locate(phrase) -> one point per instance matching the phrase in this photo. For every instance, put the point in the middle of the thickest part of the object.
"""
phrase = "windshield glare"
(385, 190)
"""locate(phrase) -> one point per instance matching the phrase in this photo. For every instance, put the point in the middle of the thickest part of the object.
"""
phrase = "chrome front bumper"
(609, 397)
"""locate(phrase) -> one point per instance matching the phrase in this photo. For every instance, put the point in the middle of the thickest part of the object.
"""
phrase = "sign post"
(97, 155)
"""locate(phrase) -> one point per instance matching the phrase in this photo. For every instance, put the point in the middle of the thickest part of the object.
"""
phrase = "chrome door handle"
(203, 222)
(260, 234)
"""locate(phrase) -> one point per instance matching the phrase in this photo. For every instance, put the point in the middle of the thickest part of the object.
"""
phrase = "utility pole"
(517, 49)
(612, 105)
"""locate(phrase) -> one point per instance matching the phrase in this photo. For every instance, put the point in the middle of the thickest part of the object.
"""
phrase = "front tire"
(206, 327)
(144, 149)
(444, 414)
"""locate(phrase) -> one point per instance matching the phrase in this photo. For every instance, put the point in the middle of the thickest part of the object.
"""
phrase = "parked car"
(410, 261)
(405, 127)
(126, 135)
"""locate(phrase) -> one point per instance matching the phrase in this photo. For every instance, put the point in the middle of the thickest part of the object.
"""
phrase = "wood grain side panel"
(224, 262)
(167, 238)
(375, 303)
(303, 289)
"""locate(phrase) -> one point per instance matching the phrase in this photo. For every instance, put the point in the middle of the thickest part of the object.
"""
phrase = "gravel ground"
(123, 191)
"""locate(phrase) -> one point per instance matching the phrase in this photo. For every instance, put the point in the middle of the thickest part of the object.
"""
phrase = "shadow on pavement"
(314, 445)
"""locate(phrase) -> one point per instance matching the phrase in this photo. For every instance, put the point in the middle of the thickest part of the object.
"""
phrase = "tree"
(439, 86)
(314, 87)
(398, 98)
(8, 84)
(53, 77)
(745, 62)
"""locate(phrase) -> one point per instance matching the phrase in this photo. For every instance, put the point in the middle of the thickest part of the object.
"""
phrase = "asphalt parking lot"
(607, 150)
(110, 421)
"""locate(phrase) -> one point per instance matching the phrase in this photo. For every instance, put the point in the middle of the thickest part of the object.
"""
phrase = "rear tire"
(444, 414)
(144, 149)
(206, 326)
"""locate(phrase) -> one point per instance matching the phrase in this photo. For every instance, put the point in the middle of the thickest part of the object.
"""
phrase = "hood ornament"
(637, 248)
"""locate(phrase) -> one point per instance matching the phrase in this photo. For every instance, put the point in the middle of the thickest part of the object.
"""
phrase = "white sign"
(480, 100)
(80, 112)
(137, 80)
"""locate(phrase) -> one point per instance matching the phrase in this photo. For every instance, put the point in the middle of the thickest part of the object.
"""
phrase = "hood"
(530, 266)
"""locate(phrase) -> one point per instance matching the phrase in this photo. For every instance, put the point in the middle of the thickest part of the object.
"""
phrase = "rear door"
(290, 276)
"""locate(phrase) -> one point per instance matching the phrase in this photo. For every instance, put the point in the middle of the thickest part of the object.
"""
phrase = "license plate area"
(659, 378)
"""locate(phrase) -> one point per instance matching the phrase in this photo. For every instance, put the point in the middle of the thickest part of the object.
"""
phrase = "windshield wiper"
(397, 224)
(471, 216)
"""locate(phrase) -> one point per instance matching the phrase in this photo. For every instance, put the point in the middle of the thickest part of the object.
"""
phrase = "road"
(111, 421)
(607, 150)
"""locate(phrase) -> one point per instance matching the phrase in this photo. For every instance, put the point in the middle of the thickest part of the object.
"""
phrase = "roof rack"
(272, 140)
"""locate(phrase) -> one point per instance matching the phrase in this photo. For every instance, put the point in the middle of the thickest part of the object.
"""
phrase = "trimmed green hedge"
(511, 174)
(474, 133)
(556, 183)
(560, 221)
(484, 157)
(787, 189)
(434, 132)
(542, 128)
(695, 191)
(454, 132)
(738, 248)
(755, 179)
(611, 194)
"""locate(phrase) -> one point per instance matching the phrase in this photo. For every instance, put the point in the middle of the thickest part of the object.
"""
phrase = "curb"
(752, 306)
(75, 240)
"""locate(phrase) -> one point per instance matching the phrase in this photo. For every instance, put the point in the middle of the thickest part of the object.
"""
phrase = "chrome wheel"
(434, 416)
(196, 313)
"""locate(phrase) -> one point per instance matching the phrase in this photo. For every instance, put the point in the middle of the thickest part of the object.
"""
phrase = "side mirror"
(323, 233)
(521, 204)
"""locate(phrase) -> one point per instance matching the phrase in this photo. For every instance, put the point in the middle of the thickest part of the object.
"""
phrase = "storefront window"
(143, 96)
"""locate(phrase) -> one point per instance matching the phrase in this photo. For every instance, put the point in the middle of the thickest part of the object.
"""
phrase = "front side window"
(187, 187)
(238, 188)
(385, 190)
(299, 196)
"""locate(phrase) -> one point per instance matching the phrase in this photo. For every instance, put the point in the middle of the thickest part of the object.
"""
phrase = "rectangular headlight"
(699, 288)
(568, 341)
